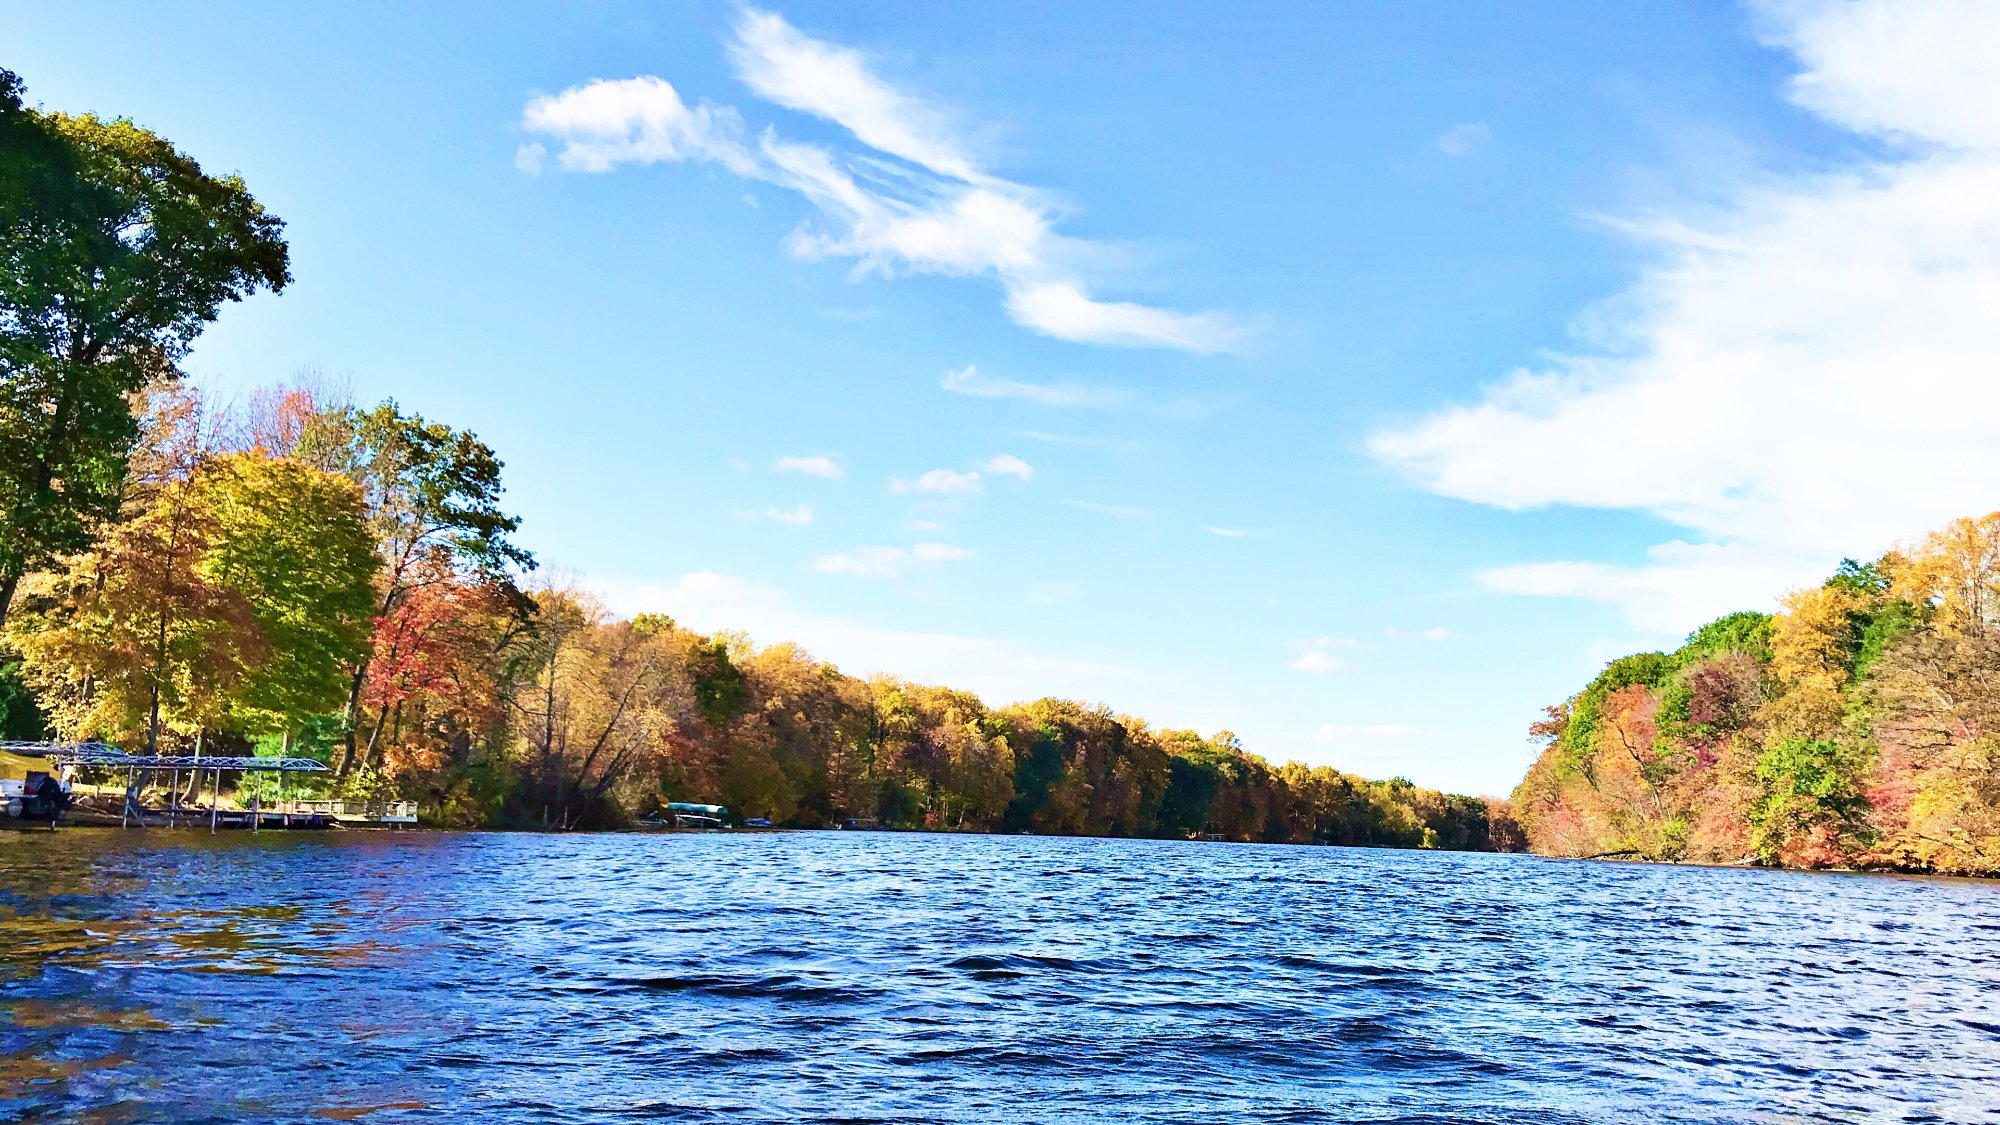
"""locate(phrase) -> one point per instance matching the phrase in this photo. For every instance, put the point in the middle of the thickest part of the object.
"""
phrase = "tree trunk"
(350, 721)
(373, 757)
(8, 585)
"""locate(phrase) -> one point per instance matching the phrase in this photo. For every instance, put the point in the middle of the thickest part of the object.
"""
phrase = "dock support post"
(257, 811)
(125, 812)
(215, 802)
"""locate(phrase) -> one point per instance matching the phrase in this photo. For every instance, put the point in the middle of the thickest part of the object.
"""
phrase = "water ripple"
(907, 978)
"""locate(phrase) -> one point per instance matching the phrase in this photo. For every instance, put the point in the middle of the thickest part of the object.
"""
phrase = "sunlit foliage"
(1852, 730)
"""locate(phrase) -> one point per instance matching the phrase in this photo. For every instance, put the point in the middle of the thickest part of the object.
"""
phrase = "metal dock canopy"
(100, 755)
(72, 756)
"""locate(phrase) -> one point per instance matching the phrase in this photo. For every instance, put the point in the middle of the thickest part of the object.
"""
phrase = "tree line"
(295, 574)
(1856, 728)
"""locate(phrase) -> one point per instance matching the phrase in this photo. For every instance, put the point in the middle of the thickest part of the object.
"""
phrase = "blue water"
(867, 977)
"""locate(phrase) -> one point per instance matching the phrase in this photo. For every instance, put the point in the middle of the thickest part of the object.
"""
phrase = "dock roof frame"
(102, 755)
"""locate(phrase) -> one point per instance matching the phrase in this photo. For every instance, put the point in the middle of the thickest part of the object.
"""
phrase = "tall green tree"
(115, 250)
(292, 541)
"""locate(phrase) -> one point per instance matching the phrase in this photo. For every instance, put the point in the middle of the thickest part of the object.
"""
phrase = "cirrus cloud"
(811, 466)
(911, 199)
(944, 482)
(1319, 662)
(890, 562)
(968, 381)
(1801, 374)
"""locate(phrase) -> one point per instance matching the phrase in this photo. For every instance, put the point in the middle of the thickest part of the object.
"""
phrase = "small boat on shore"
(682, 816)
(30, 793)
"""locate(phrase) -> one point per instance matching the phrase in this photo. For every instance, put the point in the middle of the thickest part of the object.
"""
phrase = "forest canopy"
(1855, 728)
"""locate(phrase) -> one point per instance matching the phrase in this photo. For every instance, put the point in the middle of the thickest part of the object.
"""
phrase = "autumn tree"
(425, 488)
(1955, 575)
(588, 717)
(138, 634)
(441, 662)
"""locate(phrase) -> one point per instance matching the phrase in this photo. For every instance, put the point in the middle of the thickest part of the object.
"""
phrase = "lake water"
(866, 977)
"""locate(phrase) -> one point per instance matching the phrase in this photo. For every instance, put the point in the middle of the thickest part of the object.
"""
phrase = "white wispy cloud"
(1081, 441)
(1008, 465)
(1062, 309)
(606, 123)
(1319, 662)
(1434, 633)
(811, 466)
(911, 200)
(1115, 511)
(944, 482)
(1464, 140)
(1227, 532)
(968, 381)
(1328, 642)
(890, 562)
(834, 83)
(1682, 585)
(799, 516)
(1802, 373)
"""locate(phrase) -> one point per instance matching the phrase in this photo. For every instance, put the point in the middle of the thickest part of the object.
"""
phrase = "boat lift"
(100, 755)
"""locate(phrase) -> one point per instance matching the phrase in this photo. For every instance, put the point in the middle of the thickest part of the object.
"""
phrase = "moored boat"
(31, 791)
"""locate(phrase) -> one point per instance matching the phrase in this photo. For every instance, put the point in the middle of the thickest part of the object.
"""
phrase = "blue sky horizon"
(1358, 379)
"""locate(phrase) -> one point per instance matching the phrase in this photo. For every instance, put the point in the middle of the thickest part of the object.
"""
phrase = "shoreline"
(24, 830)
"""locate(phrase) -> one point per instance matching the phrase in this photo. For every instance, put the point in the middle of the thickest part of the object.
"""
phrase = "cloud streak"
(1319, 662)
(1803, 373)
(890, 562)
(1434, 633)
(940, 482)
(909, 200)
(1464, 140)
(811, 466)
(631, 121)
(799, 516)
(968, 381)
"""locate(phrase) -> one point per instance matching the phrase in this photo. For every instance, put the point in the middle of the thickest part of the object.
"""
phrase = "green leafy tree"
(115, 251)
(292, 541)
(1810, 796)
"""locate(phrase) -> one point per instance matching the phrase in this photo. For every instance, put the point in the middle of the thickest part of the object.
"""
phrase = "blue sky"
(1357, 377)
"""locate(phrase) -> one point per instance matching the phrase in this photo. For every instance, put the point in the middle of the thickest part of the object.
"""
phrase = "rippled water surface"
(881, 977)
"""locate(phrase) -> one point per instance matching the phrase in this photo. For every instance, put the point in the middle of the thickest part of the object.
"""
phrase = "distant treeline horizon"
(319, 580)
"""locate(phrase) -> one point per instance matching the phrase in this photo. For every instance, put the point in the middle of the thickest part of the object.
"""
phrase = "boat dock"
(53, 795)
